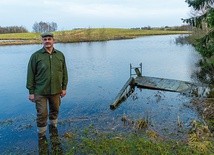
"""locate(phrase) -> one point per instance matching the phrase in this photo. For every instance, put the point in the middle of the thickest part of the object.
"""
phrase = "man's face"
(48, 42)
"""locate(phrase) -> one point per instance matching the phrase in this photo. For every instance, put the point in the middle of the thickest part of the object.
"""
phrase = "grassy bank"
(83, 35)
(146, 142)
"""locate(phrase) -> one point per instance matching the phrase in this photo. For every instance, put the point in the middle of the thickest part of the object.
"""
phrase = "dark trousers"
(43, 113)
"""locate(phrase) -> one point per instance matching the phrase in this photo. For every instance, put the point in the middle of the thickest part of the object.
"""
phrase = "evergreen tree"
(204, 20)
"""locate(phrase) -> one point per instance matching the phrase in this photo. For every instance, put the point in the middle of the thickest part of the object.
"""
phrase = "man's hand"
(31, 97)
(63, 93)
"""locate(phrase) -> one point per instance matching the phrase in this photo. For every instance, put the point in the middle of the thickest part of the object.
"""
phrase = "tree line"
(44, 27)
(39, 27)
(13, 29)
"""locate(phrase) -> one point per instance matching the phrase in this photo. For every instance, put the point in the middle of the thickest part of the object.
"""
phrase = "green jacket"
(47, 73)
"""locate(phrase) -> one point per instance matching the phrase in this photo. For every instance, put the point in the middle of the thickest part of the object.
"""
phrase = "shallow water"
(97, 72)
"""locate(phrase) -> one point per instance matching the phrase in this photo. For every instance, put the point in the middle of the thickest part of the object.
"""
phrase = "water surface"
(97, 71)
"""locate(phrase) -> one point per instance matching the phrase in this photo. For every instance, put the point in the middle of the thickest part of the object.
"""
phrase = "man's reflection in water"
(55, 141)
(43, 145)
(55, 145)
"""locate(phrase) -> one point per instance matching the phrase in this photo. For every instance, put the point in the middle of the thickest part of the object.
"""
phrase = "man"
(47, 80)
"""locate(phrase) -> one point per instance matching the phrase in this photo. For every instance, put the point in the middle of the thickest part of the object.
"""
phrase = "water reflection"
(43, 146)
(205, 75)
(55, 147)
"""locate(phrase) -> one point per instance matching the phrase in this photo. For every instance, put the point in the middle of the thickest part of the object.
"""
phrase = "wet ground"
(168, 114)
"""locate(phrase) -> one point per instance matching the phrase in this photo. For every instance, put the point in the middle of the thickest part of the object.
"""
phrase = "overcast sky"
(69, 14)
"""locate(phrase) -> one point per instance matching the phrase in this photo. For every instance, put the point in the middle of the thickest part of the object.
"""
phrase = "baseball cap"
(47, 34)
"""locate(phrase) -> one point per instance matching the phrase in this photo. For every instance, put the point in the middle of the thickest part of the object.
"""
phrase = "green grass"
(20, 36)
(83, 35)
(104, 34)
(93, 142)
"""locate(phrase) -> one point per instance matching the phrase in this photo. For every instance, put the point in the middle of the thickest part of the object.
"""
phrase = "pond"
(97, 72)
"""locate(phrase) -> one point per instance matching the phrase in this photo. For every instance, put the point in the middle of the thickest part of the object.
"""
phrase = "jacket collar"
(44, 51)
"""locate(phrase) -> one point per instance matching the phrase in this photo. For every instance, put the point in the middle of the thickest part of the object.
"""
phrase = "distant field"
(83, 35)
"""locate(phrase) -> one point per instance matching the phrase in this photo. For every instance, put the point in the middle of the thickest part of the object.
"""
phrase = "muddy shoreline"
(205, 107)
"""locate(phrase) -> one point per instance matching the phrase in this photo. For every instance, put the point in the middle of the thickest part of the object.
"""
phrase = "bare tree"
(44, 27)
(53, 26)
